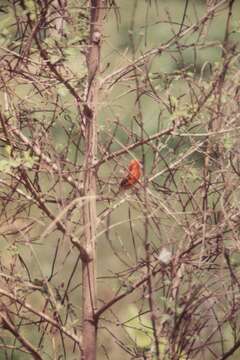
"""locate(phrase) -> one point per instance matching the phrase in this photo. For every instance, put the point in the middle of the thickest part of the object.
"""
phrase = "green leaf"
(62, 90)
(228, 142)
(31, 9)
(24, 159)
(139, 327)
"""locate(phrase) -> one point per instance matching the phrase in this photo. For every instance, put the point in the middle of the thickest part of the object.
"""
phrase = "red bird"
(134, 173)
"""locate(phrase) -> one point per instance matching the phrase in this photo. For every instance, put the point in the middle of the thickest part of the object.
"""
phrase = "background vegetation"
(151, 272)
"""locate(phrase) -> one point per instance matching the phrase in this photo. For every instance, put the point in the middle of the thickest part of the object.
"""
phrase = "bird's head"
(135, 162)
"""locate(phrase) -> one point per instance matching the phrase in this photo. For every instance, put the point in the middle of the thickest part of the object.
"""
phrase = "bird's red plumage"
(134, 173)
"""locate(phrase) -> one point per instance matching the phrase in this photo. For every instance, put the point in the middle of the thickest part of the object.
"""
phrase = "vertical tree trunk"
(97, 10)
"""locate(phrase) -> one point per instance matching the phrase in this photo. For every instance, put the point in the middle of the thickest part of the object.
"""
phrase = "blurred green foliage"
(128, 34)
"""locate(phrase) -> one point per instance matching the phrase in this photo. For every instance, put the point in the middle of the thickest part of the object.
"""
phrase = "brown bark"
(89, 267)
(8, 325)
